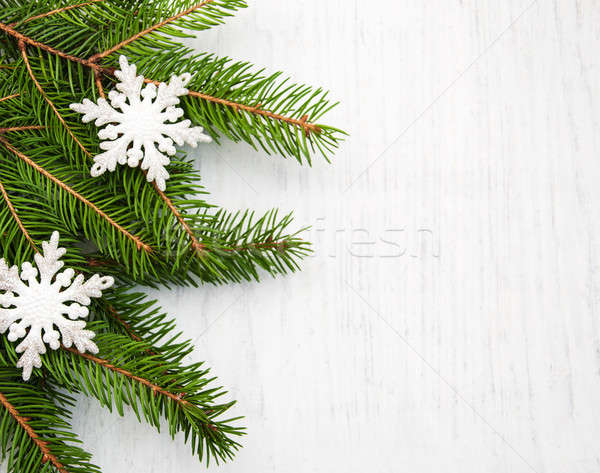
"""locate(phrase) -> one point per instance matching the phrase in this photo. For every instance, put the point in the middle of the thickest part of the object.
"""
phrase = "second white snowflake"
(42, 306)
(146, 127)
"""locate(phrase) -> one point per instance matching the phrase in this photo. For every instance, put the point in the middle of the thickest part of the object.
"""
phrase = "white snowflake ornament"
(40, 305)
(140, 123)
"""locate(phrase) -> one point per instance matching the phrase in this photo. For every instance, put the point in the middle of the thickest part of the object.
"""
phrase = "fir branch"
(126, 326)
(136, 240)
(230, 99)
(278, 139)
(157, 330)
(244, 243)
(154, 386)
(156, 390)
(130, 376)
(137, 317)
(302, 122)
(196, 245)
(175, 17)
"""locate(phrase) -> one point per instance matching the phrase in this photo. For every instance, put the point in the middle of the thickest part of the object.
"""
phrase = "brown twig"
(21, 128)
(98, 81)
(8, 97)
(47, 99)
(15, 215)
(131, 39)
(41, 444)
(256, 110)
(58, 10)
(154, 387)
(138, 243)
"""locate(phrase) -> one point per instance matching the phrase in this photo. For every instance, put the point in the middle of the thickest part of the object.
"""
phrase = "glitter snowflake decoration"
(40, 305)
(141, 123)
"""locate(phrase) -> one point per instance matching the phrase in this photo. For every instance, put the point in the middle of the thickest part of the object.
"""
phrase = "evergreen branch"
(128, 374)
(156, 390)
(232, 250)
(155, 326)
(47, 99)
(241, 244)
(136, 240)
(103, 54)
(16, 217)
(229, 98)
(131, 333)
(186, 241)
(47, 455)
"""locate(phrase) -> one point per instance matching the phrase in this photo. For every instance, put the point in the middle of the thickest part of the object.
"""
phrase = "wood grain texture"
(449, 320)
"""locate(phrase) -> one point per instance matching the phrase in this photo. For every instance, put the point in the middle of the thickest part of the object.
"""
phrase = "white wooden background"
(449, 320)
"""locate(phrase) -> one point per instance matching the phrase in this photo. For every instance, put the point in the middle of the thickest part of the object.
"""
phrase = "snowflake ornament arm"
(145, 129)
(30, 306)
